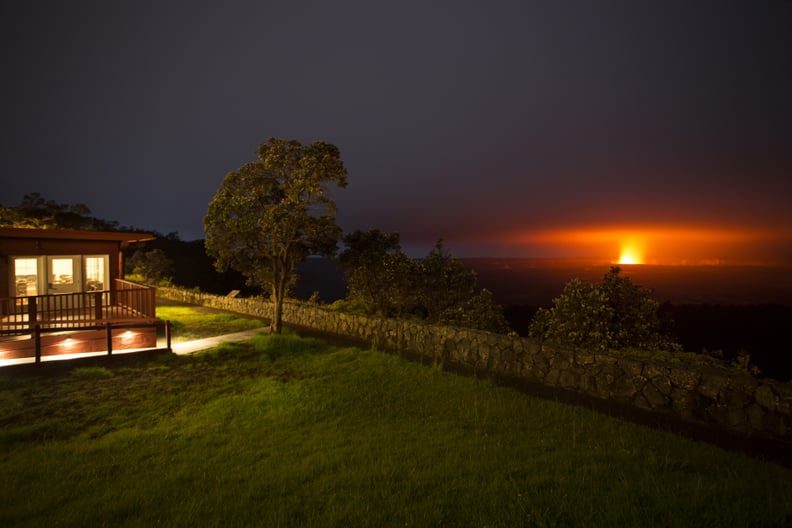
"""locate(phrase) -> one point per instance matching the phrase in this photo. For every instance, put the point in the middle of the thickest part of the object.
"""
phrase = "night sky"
(508, 128)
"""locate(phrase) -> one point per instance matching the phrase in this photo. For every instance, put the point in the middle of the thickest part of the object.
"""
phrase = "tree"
(154, 265)
(579, 317)
(480, 312)
(446, 292)
(36, 212)
(443, 283)
(273, 212)
(377, 271)
(636, 322)
(437, 288)
(614, 315)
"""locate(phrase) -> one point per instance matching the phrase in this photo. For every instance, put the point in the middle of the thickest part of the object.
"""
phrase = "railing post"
(152, 303)
(168, 335)
(98, 305)
(109, 339)
(37, 341)
(32, 311)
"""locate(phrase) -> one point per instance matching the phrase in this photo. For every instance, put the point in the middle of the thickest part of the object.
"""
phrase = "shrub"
(383, 281)
(613, 315)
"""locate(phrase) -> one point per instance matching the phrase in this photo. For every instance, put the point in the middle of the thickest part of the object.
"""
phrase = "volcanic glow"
(630, 255)
(652, 244)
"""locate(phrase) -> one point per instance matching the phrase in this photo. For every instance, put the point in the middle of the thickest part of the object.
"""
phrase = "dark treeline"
(190, 266)
(760, 330)
(719, 329)
(35, 211)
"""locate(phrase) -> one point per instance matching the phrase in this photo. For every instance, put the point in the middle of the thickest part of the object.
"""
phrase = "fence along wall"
(728, 399)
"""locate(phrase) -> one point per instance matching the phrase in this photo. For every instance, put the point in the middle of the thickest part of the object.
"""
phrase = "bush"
(613, 315)
(383, 281)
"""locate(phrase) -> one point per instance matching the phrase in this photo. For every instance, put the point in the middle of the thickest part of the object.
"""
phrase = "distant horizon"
(606, 261)
(654, 263)
(536, 281)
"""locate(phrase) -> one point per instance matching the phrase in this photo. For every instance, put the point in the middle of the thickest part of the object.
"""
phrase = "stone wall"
(730, 399)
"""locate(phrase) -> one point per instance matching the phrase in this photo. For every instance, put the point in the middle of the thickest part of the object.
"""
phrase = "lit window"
(95, 273)
(62, 271)
(26, 272)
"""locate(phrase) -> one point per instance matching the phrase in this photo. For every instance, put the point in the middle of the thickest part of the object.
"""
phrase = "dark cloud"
(460, 120)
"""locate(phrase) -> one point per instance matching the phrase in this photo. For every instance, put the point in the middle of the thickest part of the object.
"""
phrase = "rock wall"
(730, 399)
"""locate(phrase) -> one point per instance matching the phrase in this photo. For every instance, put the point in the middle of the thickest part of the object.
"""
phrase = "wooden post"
(37, 341)
(109, 340)
(168, 335)
(151, 304)
(32, 312)
(98, 306)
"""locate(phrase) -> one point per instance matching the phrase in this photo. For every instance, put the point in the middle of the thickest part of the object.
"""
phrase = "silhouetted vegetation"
(761, 332)
(153, 266)
(34, 211)
(615, 314)
(732, 333)
(191, 267)
(446, 293)
(377, 271)
(382, 280)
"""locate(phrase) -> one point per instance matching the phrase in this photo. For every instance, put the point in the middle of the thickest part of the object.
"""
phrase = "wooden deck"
(126, 303)
(73, 323)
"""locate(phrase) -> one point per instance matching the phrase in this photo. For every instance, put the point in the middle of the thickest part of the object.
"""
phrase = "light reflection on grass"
(288, 431)
(194, 322)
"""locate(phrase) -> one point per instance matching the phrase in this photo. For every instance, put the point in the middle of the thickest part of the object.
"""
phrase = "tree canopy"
(153, 266)
(613, 315)
(34, 211)
(376, 271)
(437, 288)
(271, 213)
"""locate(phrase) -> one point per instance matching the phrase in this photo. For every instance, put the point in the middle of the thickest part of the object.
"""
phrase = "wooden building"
(57, 281)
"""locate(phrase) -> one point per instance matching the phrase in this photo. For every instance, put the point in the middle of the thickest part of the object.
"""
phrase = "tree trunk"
(278, 293)
(276, 325)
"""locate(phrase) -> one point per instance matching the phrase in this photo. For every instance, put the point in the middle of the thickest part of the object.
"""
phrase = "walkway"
(188, 347)
(181, 348)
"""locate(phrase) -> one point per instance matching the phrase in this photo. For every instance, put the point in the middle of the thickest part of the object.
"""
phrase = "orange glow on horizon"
(630, 255)
(652, 244)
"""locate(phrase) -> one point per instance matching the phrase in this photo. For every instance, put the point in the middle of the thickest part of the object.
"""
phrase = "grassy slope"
(193, 322)
(284, 431)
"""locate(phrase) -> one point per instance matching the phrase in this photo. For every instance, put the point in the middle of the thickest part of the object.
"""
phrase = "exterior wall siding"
(30, 247)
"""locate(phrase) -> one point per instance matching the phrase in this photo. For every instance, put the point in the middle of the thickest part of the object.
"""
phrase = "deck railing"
(126, 302)
(136, 298)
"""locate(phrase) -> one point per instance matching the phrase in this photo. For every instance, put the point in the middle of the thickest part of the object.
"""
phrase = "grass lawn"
(194, 322)
(289, 431)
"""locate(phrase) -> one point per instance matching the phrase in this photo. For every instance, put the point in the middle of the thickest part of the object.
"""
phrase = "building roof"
(124, 237)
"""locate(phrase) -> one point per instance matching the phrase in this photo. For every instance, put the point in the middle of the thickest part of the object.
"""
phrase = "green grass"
(193, 322)
(288, 431)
